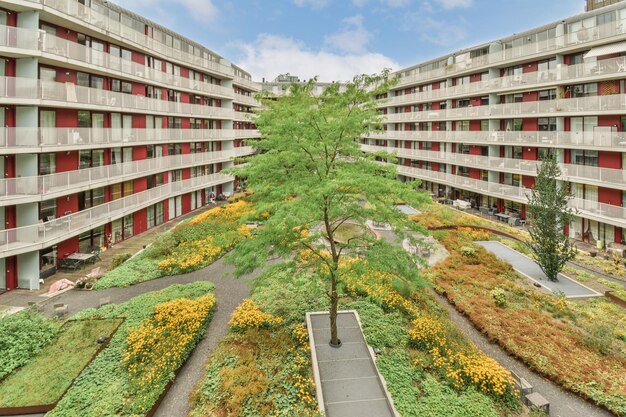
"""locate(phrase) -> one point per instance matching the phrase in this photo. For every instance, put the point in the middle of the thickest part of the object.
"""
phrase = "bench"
(536, 401)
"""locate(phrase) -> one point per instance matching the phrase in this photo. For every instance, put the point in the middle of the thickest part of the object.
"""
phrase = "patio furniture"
(95, 251)
(60, 309)
(68, 263)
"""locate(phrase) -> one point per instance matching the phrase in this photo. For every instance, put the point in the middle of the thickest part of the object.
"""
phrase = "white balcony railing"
(609, 32)
(47, 186)
(246, 133)
(70, 95)
(73, 10)
(609, 68)
(615, 178)
(38, 236)
(583, 105)
(599, 139)
(37, 40)
(602, 212)
(247, 100)
(50, 139)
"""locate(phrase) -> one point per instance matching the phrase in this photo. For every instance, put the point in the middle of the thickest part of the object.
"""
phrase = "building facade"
(112, 126)
(472, 125)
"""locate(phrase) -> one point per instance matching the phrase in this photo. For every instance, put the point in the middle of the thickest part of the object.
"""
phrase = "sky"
(336, 39)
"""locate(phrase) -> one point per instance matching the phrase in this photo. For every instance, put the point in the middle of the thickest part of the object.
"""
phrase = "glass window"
(82, 79)
(547, 124)
(48, 210)
(47, 163)
(116, 191)
(116, 85)
(84, 118)
(127, 87)
(585, 157)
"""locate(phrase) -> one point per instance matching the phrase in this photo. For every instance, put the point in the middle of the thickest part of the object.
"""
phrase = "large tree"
(316, 189)
(550, 214)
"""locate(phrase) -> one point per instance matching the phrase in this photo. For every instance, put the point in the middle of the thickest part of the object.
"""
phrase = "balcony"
(247, 84)
(593, 105)
(246, 133)
(605, 213)
(246, 100)
(38, 236)
(38, 188)
(605, 177)
(74, 11)
(24, 139)
(609, 141)
(564, 74)
(591, 36)
(27, 91)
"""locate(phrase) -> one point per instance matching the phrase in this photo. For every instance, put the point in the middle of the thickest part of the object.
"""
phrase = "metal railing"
(601, 140)
(47, 186)
(71, 95)
(38, 236)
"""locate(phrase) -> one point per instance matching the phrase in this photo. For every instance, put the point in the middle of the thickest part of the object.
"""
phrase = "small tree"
(550, 213)
(311, 179)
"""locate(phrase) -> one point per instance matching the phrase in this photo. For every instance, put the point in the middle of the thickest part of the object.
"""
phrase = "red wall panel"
(140, 152)
(186, 203)
(138, 58)
(67, 161)
(67, 247)
(610, 196)
(140, 221)
(530, 154)
(610, 159)
(67, 118)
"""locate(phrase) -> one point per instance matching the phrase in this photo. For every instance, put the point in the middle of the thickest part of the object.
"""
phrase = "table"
(81, 257)
(502, 217)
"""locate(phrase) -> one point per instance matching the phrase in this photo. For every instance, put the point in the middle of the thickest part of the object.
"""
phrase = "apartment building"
(472, 125)
(112, 126)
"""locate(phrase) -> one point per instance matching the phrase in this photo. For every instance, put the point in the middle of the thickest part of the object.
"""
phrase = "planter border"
(615, 299)
(44, 408)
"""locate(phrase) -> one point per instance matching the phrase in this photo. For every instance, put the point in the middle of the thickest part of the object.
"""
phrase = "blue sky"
(336, 39)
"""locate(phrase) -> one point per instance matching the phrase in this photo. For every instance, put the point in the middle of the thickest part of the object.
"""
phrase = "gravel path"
(229, 291)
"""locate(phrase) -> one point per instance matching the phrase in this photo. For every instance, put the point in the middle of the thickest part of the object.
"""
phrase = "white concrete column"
(28, 270)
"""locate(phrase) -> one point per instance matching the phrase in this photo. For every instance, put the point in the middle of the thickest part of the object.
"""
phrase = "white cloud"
(202, 11)
(314, 4)
(452, 4)
(271, 55)
(439, 32)
(352, 38)
(389, 3)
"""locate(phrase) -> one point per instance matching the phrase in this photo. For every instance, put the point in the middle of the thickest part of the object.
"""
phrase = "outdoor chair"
(71, 264)
(60, 309)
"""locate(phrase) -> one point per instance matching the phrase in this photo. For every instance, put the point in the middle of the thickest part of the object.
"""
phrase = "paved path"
(529, 268)
(562, 402)
(350, 383)
(230, 291)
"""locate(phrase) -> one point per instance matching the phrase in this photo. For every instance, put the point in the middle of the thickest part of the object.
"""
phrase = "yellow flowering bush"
(302, 363)
(427, 334)
(248, 315)
(480, 371)
(229, 213)
(157, 347)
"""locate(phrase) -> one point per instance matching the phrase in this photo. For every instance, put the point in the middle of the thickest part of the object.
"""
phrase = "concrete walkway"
(531, 270)
(230, 291)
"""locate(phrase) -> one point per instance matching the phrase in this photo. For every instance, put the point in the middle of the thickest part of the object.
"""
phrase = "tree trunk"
(334, 340)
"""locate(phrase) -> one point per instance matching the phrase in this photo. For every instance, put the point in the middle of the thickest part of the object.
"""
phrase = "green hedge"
(22, 336)
(104, 389)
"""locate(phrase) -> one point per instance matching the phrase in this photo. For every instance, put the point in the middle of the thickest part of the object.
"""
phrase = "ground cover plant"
(568, 342)
(160, 331)
(45, 378)
(190, 246)
(22, 336)
(263, 366)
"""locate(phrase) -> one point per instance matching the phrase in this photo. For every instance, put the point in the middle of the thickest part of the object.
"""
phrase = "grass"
(44, 379)
(348, 231)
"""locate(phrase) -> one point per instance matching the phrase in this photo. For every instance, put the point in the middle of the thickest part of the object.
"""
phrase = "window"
(48, 210)
(82, 79)
(462, 171)
(461, 103)
(84, 119)
(547, 95)
(547, 65)
(116, 191)
(584, 90)
(484, 125)
(543, 153)
(462, 148)
(47, 163)
(462, 125)
(547, 124)
(127, 87)
(515, 125)
(585, 157)
(116, 85)
(47, 74)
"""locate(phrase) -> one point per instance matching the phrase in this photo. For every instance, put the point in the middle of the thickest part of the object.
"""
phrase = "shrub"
(119, 259)
(498, 295)
(22, 336)
(427, 334)
(105, 387)
(468, 251)
(248, 315)
(158, 346)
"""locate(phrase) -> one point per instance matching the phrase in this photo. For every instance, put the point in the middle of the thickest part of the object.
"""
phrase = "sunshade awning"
(613, 48)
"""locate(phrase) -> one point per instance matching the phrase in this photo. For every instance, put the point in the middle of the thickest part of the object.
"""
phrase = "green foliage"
(103, 388)
(312, 177)
(498, 295)
(119, 259)
(57, 364)
(141, 268)
(600, 338)
(22, 336)
(549, 212)
(286, 292)
(381, 329)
